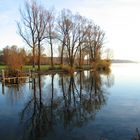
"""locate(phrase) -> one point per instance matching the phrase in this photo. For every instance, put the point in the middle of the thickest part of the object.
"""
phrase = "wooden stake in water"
(3, 80)
(3, 76)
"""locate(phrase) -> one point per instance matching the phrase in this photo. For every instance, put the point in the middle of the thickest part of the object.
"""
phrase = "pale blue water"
(87, 105)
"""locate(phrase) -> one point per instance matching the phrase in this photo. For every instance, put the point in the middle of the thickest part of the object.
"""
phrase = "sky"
(119, 19)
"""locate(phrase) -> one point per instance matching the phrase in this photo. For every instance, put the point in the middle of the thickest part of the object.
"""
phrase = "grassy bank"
(27, 67)
(101, 65)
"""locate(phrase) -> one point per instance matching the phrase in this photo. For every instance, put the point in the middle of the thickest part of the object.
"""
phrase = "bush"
(102, 65)
(14, 59)
(68, 69)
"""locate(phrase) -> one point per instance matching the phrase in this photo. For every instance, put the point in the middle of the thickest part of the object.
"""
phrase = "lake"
(86, 105)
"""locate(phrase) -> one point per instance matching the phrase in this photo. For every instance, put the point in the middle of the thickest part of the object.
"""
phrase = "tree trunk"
(61, 57)
(33, 57)
(80, 58)
(71, 61)
(52, 65)
(39, 54)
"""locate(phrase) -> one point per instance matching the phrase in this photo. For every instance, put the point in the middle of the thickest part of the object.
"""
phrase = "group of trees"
(74, 35)
(15, 57)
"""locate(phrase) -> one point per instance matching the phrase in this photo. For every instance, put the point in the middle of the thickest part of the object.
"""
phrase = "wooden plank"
(7, 78)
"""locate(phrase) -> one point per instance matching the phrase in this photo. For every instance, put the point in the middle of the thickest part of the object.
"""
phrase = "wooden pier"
(6, 81)
(15, 80)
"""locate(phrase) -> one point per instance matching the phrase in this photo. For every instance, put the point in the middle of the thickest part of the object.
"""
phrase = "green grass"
(43, 67)
(2, 67)
(27, 67)
(103, 64)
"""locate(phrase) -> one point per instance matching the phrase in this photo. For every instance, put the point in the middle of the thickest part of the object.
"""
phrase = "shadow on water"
(71, 105)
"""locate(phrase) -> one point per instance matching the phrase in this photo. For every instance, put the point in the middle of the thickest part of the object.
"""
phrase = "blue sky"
(118, 18)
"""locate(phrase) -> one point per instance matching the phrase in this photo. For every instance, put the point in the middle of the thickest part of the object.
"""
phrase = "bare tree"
(41, 26)
(32, 27)
(99, 37)
(26, 27)
(70, 34)
(95, 41)
(82, 31)
(63, 28)
(76, 35)
(51, 32)
(108, 54)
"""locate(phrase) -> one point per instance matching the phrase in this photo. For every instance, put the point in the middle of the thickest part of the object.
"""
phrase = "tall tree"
(26, 27)
(51, 32)
(41, 27)
(98, 38)
(32, 27)
(70, 34)
(63, 28)
(94, 42)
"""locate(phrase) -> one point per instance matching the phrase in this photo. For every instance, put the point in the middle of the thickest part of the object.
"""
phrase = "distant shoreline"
(123, 61)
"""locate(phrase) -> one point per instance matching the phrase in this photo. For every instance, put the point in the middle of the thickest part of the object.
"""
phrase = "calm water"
(86, 105)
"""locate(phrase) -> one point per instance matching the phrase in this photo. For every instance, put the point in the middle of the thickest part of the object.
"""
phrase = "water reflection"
(137, 135)
(13, 93)
(34, 115)
(72, 104)
(82, 96)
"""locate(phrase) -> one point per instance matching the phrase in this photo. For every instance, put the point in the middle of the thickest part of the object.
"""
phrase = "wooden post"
(18, 75)
(3, 76)
(29, 73)
(3, 80)
(33, 72)
(3, 89)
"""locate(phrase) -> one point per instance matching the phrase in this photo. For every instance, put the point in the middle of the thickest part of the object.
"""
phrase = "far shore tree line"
(78, 40)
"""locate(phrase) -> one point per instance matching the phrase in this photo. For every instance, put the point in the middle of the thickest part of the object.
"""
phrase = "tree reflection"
(83, 96)
(14, 93)
(74, 102)
(137, 135)
(34, 116)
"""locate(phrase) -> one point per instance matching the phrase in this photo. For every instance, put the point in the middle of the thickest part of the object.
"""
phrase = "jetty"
(15, 79)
